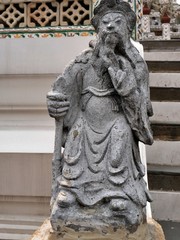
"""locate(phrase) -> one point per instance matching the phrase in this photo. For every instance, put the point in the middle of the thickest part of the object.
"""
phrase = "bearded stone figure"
(102, 101)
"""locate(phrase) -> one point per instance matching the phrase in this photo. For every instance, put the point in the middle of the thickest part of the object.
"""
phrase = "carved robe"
(101, 130)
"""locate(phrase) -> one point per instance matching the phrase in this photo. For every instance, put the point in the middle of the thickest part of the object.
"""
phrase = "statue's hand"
(117, 77)
(123, 79)
(58, 104)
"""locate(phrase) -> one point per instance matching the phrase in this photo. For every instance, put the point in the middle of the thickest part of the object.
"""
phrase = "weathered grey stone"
(147, 231)
(101, 105)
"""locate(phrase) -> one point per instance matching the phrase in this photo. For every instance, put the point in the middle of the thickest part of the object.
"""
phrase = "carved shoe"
(65, 199)
(117, 205)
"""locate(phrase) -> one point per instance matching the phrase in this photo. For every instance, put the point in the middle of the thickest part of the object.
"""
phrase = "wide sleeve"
(70, 84)
(136, 105)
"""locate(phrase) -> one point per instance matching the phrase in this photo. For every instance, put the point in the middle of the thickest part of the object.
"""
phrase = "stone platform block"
(147, 231)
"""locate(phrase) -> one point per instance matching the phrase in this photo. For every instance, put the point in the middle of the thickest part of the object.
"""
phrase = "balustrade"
(51, 18)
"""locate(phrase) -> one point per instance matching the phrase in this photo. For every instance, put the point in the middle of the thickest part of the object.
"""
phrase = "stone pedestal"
(147, 231)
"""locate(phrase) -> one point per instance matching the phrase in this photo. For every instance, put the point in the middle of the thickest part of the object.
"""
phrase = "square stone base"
(148, 231)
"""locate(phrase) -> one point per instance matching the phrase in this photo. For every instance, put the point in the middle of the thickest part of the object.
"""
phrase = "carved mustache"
(105, 33)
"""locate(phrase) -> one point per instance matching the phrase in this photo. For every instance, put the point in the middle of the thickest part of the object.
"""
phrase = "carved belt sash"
(92, 91)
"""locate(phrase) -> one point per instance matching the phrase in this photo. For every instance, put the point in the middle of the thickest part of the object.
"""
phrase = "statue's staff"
(59, 110)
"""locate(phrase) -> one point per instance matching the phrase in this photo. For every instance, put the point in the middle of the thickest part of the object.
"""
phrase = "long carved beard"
(107, 55)
(104, 54)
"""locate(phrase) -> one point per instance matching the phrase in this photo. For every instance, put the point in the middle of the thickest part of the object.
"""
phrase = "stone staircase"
(163, 59)
(18, 227)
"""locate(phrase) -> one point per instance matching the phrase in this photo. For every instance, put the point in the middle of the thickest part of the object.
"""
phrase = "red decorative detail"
(165, 18)
(146, 9)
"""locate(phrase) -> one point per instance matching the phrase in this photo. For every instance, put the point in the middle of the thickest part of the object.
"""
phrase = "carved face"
(114, 23)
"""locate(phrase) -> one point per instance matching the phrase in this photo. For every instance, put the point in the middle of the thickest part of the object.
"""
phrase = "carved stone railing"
(57, 18)
(45, 16)
(51, 18)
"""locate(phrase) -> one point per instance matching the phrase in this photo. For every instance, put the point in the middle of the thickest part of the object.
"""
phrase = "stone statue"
(102, 102)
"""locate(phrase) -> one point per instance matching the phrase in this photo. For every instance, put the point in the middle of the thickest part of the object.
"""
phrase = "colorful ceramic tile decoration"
(52, 18)
(161, 20)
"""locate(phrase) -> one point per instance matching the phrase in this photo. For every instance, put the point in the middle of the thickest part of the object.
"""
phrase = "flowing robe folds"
(101, 131)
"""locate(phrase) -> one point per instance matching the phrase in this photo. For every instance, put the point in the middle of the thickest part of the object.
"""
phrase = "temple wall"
(28, 68)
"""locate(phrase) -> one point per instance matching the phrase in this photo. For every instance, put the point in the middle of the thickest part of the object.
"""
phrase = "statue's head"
(108, 10)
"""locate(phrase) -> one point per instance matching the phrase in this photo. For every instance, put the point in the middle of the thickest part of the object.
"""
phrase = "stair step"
(160, 180)
(166, 132)
(165, 86)
(22, 220)
(172, 45)
(164, 66)
(161, 56)
(166, 80)
(166, 112)
(164, 153)
(17, 229)
(165, 94)
(165, 205)
(8, 236)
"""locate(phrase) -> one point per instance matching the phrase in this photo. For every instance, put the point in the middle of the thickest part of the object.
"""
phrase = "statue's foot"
(65, 199)
(118, 204)
(131, 212)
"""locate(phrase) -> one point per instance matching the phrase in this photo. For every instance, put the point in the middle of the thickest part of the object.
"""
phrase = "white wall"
(27, 69)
